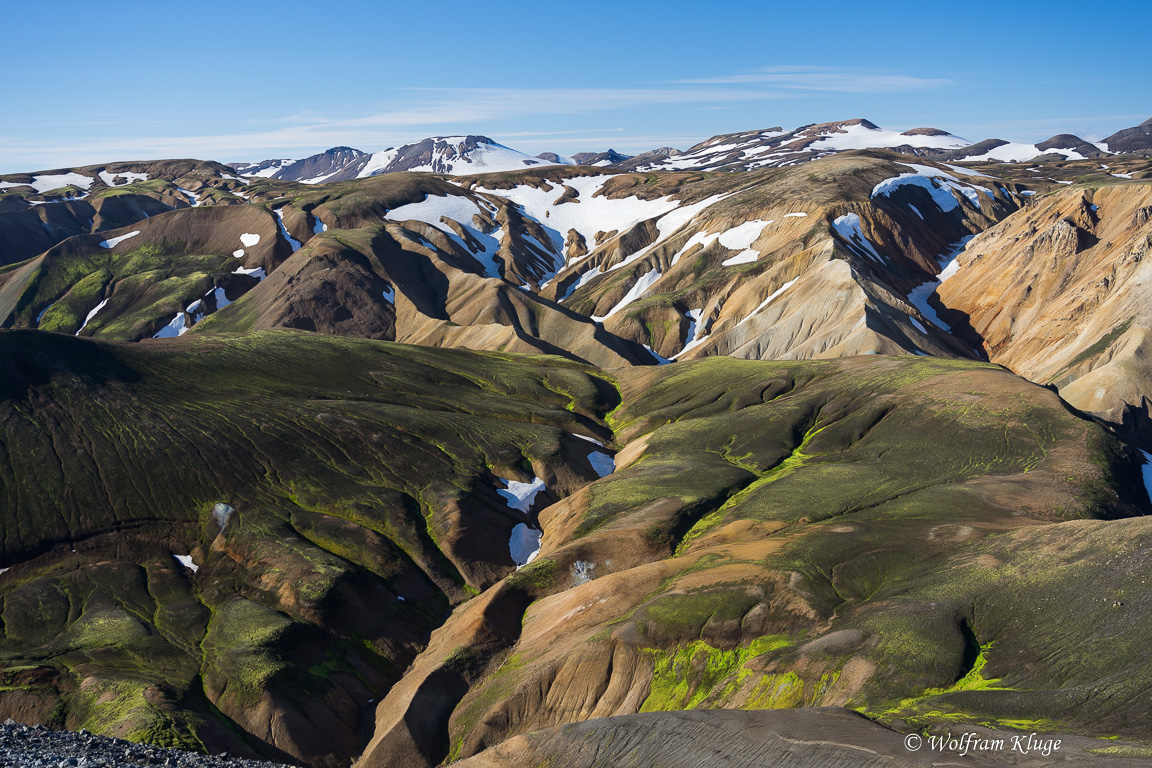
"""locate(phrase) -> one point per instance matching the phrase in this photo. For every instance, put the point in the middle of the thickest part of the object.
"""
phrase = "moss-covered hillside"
(361, 499)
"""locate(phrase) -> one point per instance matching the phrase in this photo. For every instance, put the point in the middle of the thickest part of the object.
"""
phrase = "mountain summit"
(454, 155)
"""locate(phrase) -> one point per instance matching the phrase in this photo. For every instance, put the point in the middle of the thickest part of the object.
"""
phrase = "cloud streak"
(430, 111)
(823, 80)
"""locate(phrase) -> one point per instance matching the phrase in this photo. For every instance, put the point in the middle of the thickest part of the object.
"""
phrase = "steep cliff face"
(1061, 294)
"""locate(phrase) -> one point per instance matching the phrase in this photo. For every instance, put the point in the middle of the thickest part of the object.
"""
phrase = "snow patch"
(186, 561)
(848, 227)
(177, 326)
(519, 495)
(92, 314)
(659, 358)
(861, 137)
(112, 242)
(249, 239)
(584, 278)
(744, 257)
(641, 286)
(49, 182)
(744, 235)
(456, 207)
(768, 300)
(602, 463)
(524, 544)
(293, 242)
(130, 177)
(193, 198)
(950, 263)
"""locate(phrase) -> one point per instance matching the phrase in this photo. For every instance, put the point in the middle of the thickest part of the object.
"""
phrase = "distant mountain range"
(743, 151)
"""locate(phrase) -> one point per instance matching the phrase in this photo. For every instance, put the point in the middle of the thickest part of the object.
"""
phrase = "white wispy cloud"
(425, 111)
(824, 80)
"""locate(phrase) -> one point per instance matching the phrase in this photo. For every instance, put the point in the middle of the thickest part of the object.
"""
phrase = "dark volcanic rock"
(22, 746)
(1131, 139)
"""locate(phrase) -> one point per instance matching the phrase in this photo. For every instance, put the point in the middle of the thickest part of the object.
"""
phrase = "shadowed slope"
(336, 495)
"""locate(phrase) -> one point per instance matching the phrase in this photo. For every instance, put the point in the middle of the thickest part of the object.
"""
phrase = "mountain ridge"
(743, 150)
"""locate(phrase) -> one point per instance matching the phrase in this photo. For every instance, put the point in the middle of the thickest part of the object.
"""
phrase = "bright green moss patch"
(693, 675)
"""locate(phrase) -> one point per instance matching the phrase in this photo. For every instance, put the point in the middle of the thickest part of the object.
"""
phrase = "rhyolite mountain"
(333, 460)
(743, 151)
(454, 155)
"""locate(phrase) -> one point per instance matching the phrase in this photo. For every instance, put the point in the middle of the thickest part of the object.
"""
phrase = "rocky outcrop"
(1137, 139)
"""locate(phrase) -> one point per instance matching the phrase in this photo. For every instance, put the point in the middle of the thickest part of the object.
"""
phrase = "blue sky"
(245, 80)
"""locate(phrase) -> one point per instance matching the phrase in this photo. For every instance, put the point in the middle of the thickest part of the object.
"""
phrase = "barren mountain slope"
(1060, 293)
(813, 261)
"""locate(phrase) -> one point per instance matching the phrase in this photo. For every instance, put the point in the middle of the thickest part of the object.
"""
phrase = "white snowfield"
(740, 238)
(49, 182)
(378, 162)
(193, 198)
(861, 137)
(131, 178)
(461, 209)
(848, 227)
(950, 263)
(524, 544)
(292, 242)
(268, 172)
(1015, 152)
(693, 336)
(751, 152)
(938, 183)
(519, 495)
(591, 215)
(91, 315)
(177, 326)
(112, 242)
(602, 463)
(186, 561)
(248, 239)
(485, 158)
